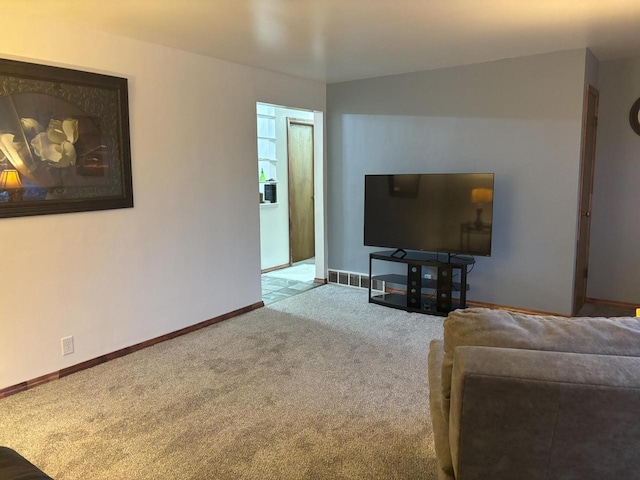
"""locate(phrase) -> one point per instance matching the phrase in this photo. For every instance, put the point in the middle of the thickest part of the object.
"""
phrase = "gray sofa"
(524, 397)
(14, 466)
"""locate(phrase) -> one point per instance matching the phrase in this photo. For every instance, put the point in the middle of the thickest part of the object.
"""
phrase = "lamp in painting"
(11, 184)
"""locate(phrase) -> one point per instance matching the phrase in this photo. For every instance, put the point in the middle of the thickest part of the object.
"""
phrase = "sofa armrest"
(537, 414)
(14, 466)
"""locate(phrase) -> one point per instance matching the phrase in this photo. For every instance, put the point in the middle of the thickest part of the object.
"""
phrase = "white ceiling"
(338, 40)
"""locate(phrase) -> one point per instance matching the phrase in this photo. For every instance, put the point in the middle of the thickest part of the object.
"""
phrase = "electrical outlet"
(67, 345)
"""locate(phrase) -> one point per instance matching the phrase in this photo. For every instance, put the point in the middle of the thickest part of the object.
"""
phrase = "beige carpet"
(318, 386)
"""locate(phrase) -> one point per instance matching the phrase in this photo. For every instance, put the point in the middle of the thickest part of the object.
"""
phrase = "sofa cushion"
(501, 328)
(531, 414)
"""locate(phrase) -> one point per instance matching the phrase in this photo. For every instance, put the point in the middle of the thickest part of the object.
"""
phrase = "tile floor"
(287, 282)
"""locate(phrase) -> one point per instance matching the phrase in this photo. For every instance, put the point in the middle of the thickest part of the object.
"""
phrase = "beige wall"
(189, 249)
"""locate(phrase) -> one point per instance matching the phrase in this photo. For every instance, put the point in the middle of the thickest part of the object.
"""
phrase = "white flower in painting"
(31, 126)
(56, 155)
(55, 146)
(59, 132)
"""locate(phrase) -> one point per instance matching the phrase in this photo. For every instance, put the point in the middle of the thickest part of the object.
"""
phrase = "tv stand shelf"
(426, 285)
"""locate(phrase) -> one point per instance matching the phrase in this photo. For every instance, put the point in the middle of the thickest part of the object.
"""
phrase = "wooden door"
(586, 189)
(301, 216)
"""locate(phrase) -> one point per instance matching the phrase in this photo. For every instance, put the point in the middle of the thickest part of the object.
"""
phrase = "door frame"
(310, 123)
(580, 278)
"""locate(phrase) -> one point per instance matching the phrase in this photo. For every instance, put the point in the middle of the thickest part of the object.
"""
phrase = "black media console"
(419, 281)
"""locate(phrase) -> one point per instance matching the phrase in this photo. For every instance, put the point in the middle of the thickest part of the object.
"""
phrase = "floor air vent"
(352, 279)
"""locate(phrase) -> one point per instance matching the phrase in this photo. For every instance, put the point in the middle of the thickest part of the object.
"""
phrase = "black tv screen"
(448, 212)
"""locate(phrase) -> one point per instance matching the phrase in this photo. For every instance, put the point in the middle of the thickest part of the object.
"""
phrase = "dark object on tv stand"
(15, 466)
(414, 292)
(399, 253)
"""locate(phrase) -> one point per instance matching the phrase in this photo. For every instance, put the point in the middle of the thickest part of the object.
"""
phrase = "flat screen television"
(436, 212)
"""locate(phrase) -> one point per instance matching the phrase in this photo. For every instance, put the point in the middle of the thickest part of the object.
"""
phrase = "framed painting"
(64, 141)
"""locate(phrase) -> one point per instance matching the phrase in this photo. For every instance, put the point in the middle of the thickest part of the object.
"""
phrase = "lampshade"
(481, 195)
(10, 179)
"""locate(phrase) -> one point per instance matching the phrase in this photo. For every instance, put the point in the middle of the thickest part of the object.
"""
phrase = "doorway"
(590, 123)
(292, 186)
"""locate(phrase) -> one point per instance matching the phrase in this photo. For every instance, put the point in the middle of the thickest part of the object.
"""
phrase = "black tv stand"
(419, 281)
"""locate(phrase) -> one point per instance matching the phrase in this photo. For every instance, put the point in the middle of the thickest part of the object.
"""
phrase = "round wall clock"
(634, 116)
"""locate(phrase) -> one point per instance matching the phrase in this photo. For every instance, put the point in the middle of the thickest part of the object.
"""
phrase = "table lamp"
(480, 196)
